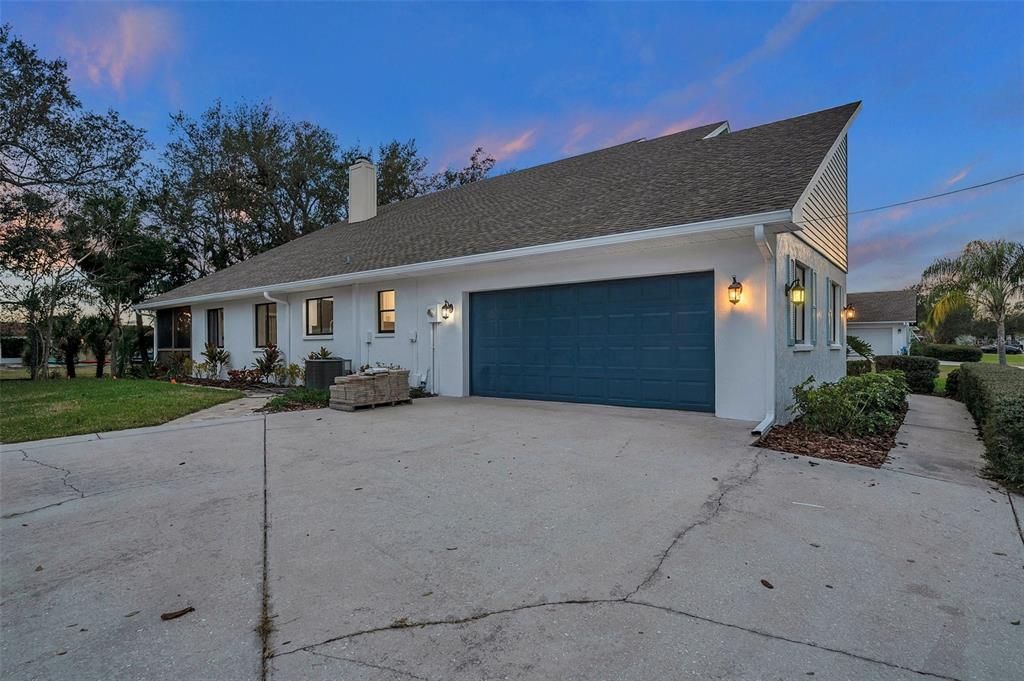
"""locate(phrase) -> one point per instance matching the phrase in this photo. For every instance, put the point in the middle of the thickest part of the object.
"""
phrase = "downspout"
(761, 239)
(287, 325)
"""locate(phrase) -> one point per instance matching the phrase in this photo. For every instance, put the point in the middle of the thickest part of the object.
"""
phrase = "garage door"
(646, 342)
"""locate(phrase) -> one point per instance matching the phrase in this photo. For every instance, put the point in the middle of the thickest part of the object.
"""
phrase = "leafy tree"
(240, 180)
(52, 152)
(480, 166)
(987, 277)
(47, 143)
(96, 337)
(120, 260)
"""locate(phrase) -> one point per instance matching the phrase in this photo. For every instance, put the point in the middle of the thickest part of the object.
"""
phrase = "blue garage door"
(646, 342)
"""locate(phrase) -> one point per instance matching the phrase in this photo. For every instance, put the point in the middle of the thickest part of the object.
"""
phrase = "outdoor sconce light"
(735, 290)
(849, 312)
(795, 291)
(446, 310)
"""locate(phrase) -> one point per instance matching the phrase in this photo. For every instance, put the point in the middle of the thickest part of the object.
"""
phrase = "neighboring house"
(885, 319)
(601, 278)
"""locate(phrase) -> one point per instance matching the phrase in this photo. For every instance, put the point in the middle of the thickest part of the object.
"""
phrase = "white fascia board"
(798, 208)
(724, 127)
(437, 266)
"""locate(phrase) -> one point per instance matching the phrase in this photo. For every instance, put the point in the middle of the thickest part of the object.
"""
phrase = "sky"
(942, 86)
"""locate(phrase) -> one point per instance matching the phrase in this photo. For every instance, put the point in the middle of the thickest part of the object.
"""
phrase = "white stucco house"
(601, 278)
(884, 319)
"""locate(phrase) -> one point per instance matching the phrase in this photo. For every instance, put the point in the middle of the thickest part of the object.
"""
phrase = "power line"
(917, 200)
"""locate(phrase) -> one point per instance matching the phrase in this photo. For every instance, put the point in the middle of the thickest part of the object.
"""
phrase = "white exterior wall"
(885, 338)
(740, 369)
(824, 361)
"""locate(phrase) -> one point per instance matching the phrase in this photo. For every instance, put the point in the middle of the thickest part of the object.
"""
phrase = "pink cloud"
(576, 135)
(798, 18)
(961, 174)
(516, 145)
(898, 246)
(116, 46)
(696, 120)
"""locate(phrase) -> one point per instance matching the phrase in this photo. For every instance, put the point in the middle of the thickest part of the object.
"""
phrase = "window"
(319, 316)
(386, 311)
(215, 327)
(800, 311)
(174, 328)
(835, 314)
(266, 324)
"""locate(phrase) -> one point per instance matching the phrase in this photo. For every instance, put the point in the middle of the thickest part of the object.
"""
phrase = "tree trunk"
(69, 362)
(1001, 338)
(101, 358)
(141, 341)
(115, 343)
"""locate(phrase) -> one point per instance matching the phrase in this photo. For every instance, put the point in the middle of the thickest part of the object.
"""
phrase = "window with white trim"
(266, 324)
(320, 316)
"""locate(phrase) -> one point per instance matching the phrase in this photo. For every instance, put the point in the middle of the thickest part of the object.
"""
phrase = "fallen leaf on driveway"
(177, 613)
(133, 613)
(39, 568)
(766, 584)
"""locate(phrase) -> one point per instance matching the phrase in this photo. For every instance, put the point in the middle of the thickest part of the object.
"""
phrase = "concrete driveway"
(494, 539)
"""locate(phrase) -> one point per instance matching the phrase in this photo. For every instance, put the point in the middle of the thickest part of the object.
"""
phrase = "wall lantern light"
(735, 291)
(849, 312)
(447, 309)
(795, 291)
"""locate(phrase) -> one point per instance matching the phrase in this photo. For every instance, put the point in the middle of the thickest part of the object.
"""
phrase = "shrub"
(953, 384)
(268, 362)
(217, 358)
(287, 375)
(322, 353)
(921, 372)
(949, 353)
(299, 398)
(854, 405)
(858, 367)
(994, 395)
(178, 365)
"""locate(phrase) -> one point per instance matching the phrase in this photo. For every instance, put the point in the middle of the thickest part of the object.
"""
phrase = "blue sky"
(942, 86)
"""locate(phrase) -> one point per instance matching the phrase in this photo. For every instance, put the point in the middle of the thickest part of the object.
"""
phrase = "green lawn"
(1012, 360)
(940, 382)
(41, 409)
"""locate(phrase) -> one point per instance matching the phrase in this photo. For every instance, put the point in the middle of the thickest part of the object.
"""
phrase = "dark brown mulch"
(865, 450)
(236, 385)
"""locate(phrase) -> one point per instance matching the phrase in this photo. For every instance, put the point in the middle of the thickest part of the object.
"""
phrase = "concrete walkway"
(243, 406)
(939, 440)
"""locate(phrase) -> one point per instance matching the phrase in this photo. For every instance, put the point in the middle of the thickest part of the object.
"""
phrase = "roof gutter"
(432, 266)
(761, 239)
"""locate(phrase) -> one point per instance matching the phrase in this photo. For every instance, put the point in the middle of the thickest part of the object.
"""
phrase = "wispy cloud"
(799, 17)
(959, 175)
(576, 135)
(116, 46)
(516, 145)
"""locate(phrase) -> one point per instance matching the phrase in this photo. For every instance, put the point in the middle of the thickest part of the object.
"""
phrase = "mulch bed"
(864, 450)
(251, 386)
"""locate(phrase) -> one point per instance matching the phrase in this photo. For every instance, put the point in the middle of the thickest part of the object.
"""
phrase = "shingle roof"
(672, 180)
(884, 306)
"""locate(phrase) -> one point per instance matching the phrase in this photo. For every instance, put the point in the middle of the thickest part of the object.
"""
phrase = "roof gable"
(884, 306)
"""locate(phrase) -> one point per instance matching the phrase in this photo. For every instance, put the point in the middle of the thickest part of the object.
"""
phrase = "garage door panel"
(645, 342)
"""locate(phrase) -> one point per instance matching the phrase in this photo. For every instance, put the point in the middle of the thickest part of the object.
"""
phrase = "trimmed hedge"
(949, 353)
(858, 367)
(953, 384)
(921, 372)
(994, 395)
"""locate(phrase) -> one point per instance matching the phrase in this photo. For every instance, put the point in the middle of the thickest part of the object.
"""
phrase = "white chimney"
(362, 191)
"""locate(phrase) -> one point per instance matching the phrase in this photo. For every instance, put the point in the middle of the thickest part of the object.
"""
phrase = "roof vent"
(362, 191)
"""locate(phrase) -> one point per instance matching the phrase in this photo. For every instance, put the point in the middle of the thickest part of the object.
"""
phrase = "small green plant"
(178, 365)
(204, 370)
(322, 353)
(217, 358)
(854, 405)
(268, 362)
(299, 398)
(287, 374)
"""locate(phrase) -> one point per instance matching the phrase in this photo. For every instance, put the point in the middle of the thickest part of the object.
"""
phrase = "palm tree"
(96, 335)
(988, 277)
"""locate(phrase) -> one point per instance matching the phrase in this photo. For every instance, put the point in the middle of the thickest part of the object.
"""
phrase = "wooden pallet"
(345, 406)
